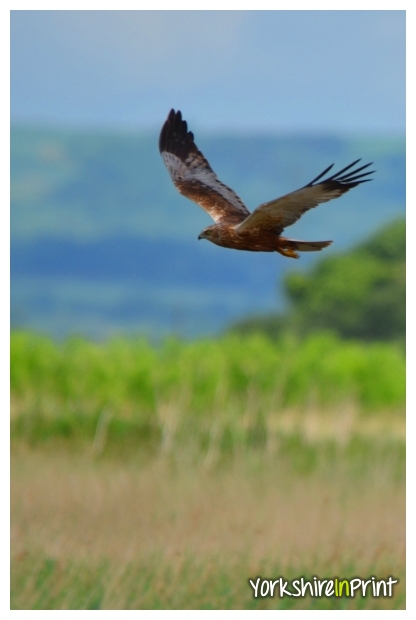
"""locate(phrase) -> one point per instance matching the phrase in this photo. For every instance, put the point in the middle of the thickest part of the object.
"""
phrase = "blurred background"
(101, 241)
(184, 416)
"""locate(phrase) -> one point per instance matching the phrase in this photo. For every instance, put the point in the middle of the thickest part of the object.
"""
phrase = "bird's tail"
(290, 247)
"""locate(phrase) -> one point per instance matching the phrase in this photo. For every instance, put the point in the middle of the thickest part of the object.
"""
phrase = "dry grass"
(123, 534)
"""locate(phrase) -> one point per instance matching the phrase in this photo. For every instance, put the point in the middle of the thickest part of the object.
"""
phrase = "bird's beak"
(200, 237)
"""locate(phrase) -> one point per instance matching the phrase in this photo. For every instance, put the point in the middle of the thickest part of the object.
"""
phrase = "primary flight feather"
(235, 227)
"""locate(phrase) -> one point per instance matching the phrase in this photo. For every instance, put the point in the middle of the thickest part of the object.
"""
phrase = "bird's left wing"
(192, 174)
(277, 214)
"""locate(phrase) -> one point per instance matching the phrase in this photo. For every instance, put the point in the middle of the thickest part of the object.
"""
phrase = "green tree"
(359, 294)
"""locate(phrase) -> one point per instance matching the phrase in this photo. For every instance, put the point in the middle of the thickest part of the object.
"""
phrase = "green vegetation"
(359, 294)
(177, 392)
(148, 477)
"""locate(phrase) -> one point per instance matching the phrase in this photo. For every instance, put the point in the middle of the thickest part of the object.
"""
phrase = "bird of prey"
(235, 227)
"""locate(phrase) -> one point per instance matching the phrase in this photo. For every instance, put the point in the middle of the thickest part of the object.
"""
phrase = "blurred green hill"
(103, 243)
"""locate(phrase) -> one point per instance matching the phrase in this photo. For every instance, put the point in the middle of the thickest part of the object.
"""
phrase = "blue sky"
(234, 71)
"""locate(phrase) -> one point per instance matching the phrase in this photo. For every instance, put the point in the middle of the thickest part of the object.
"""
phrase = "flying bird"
(235, 227)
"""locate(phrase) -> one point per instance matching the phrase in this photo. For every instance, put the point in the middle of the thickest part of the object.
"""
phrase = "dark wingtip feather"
(321, 175)
(175, 138)
(165, 129)
(348, 180)
(171, 126)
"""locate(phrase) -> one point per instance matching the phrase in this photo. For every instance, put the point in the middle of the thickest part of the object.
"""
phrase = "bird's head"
(207, 233)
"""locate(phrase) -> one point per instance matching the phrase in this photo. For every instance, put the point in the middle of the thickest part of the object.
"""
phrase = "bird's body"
(235, 227)
(251, 241)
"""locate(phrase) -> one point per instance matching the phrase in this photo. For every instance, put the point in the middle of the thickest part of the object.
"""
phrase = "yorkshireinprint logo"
(323, 587)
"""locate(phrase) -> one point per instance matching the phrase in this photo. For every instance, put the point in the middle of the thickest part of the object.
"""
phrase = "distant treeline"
(101, 242)
(358, 294)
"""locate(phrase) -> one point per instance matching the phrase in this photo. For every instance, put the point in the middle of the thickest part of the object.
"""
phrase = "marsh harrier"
(235, 227)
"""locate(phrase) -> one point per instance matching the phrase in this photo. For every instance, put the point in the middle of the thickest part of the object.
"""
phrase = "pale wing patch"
(209, 179)
(176, 168)
(196, 180)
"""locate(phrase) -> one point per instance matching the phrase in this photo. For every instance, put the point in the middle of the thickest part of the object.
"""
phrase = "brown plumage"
(235, 227)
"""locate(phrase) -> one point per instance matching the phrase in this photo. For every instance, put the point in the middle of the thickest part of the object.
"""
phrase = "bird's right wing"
(192, 174)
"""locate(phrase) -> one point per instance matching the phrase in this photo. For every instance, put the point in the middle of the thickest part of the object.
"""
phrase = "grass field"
(123, 534)
(165, 477)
